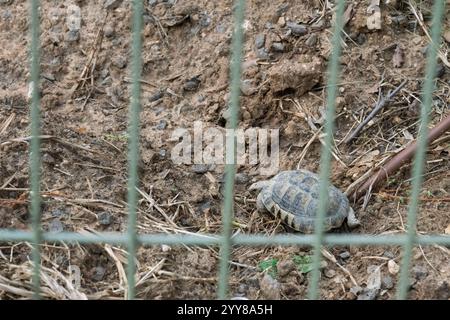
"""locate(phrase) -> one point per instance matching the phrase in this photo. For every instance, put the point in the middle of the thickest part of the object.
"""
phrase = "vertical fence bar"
(428, 88)
(230, 168)
(35, 159)
(333, 70)
(133, 143)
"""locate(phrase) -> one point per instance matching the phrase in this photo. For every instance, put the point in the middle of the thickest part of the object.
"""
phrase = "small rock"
(105, 218)
(368, 294)
(344, 255)
(297, 29)
(277, 47)
(281, 22)
(99, 273)
(165, 248)
(242, 178)
(440, 70)
(201, 168)
(285, 267)
(393, 267)
(446, 35)
(312, 40)
(205, 207)
(58, 213)
(47, 158)
(361, 38)
(72, 36)
(156, 96)
(161, 125)
(387, 282)
(420, 272)
(262, 54)
(248, 88)
(389, 254)
(355, 290)
(243, 288)
(55, 226)
(260, 40)
(109, 31)
(192, 84)
(374, 278)
(270, 287)
(283, 8)
(205, 20)
(330, 273)
(162, 153)
(73, 19)
(120, 62)
(112, 4)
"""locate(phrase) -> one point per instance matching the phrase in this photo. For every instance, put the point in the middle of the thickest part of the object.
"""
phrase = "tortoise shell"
(293, 196)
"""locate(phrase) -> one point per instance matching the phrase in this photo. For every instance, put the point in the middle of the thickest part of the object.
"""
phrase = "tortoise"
(293, 196)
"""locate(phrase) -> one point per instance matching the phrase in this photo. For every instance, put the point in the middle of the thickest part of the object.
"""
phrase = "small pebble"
(277, 47)
(330, 273)
(389, 254)
(368, 294)
(312, 40)
(120, 62)
(420, 272)
(262, 54)
(162, 153)
(72, 36)
(156, 96)
(248, 88)
(242, 178)
(55, 226)
(355, 290)
(285, 267)
(344, 255)
(99, 273)
(281, 22)
(200, 168)
(104, 218)
(165, 248)
(297, 29)
(161, 125)
(112, 4)
(109, 31)
(260, 40)
(387, 282)
(270, 287)
(192, 84)
(58, 213)
(361, 38)
(283, 8)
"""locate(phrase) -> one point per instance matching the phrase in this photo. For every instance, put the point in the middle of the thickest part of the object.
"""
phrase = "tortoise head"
(259, 185)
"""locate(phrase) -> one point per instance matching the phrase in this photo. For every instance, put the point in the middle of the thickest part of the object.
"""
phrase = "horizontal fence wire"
(214, 239)
(226, 240)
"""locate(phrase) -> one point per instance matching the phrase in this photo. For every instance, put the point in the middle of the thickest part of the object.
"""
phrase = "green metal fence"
(132, 240)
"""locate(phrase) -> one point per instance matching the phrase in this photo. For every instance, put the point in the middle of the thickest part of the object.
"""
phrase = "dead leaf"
(397, 59)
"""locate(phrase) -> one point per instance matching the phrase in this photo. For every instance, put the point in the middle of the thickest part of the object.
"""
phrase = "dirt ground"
(186, 48)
